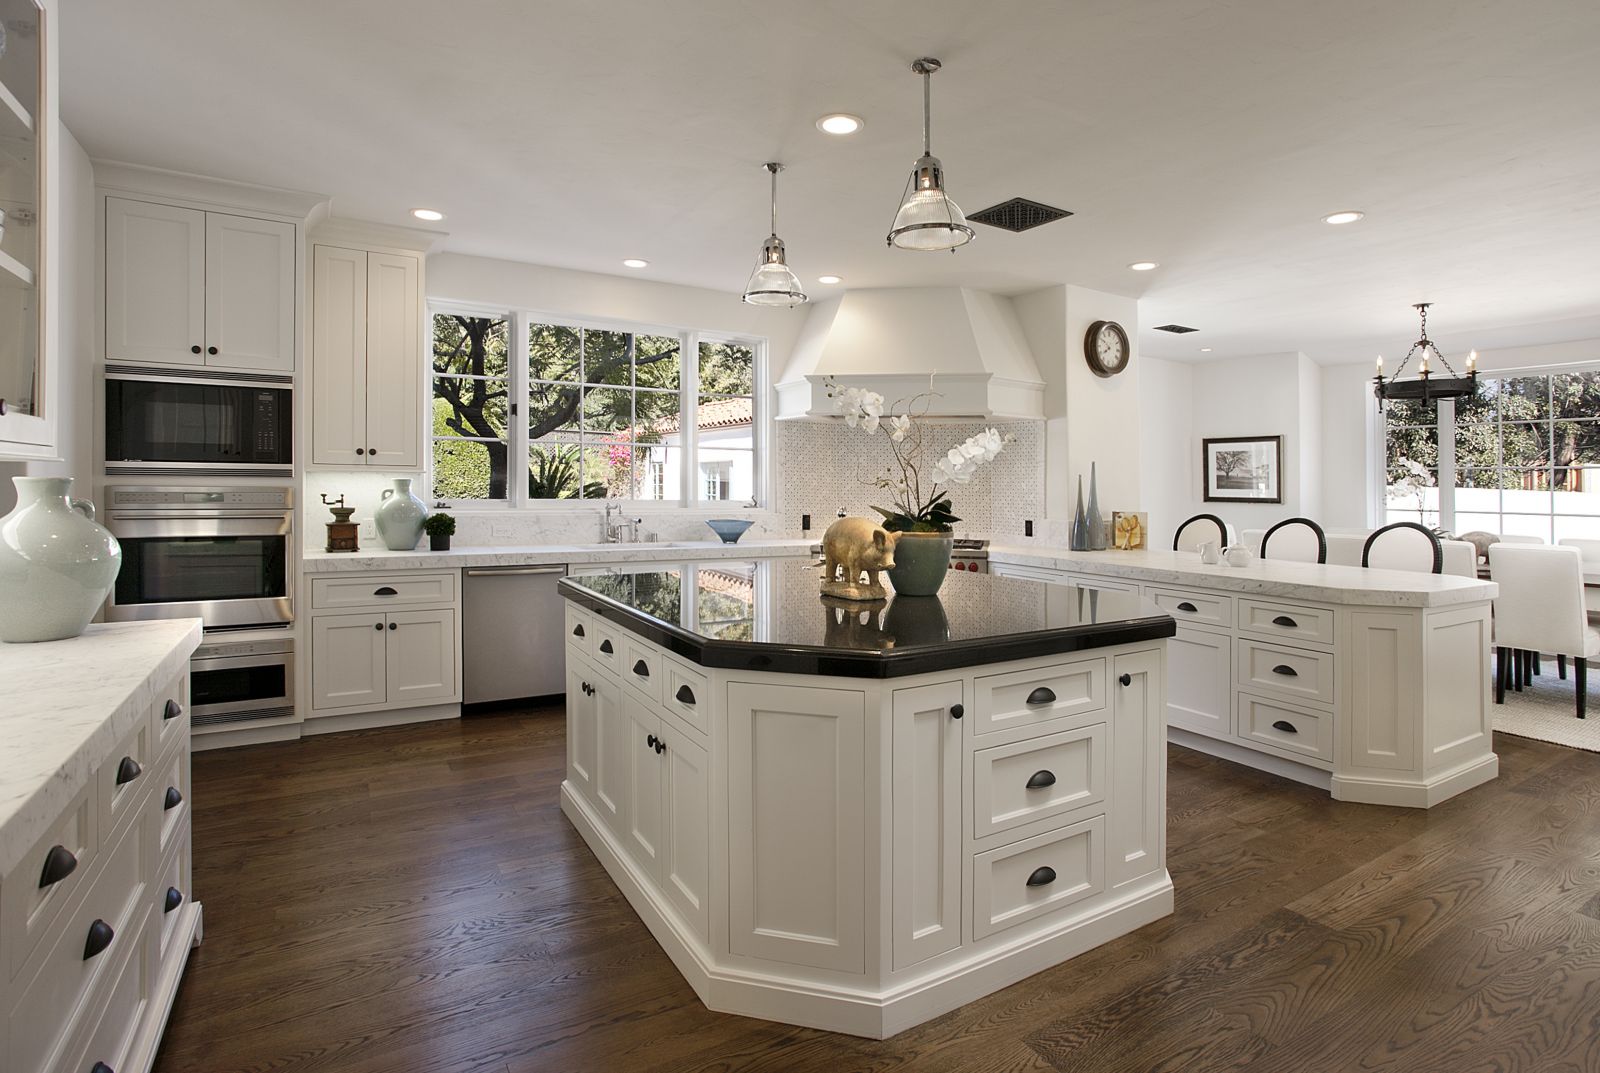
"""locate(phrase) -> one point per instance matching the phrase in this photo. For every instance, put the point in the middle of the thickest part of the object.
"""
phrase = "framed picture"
(1242, 469)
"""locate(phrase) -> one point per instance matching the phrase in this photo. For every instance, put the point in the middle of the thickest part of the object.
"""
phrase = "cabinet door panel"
(394, 361)
(155, 283)
(422, 657)
(611, 754)
(797, 823)
(927, 822)
(338, 356)
(249, 293)
(581, 731)
(348, 665)
(686, 831)
(643, 814)
(1136, 831)
(1200, 685)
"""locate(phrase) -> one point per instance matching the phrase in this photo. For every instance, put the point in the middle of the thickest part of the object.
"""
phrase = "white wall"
(1169, 452)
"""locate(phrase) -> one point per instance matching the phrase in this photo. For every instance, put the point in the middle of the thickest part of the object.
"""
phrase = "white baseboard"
(142, 1055)
(1239, 754)
(244, 735)
(336, 724)
(1442, 787)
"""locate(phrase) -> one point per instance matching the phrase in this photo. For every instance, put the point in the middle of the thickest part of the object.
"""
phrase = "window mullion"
(1446, 425)
(689, 417)
(517, 427)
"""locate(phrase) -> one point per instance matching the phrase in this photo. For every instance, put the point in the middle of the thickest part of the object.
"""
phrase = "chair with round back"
(1404, 546)
(1296, 539)
(1540, 609)
(1201, 529)
(1590, 550)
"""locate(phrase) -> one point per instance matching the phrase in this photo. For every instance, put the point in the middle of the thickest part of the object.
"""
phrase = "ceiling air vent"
(1176, 329)
(1018, 214)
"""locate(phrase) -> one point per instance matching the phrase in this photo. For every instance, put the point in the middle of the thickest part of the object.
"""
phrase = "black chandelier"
(1426, 387)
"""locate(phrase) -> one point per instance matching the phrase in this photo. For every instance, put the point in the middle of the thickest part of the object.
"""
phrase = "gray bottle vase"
(56, 562)
(400, 516)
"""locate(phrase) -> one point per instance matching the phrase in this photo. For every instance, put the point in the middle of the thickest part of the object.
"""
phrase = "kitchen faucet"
(611, 532)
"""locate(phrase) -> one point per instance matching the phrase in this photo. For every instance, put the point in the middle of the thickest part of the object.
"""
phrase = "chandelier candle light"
(1426, 387)
(773, 283)
(928, 219)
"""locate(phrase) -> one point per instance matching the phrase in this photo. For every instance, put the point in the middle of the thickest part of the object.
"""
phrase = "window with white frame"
(597, 411)
(1522, 457)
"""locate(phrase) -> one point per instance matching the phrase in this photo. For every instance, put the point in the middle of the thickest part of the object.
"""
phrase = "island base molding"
(859, 1012)
(1427, 794)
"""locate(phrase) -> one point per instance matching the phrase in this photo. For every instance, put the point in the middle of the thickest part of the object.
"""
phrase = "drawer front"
(642, 666)
(610, 642)
(27, 909)
(1286, 727)
(169, 802)
(1039, 875)
(111, 1023)
(50, 999)
(580, 629)
(171, 715)
(167, 906)
(686, 693)
(1193, 606)
(383, 590)
(1288, 672)
(1037, 778)
(124, 778)
(1092, 581)
(1291, 623)
(1028, 698)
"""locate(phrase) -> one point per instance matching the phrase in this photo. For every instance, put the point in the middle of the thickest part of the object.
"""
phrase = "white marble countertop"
(322, 562)
(68, 705)
(1290, 580)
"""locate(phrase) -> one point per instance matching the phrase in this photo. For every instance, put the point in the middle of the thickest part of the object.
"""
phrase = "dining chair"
(1460, 558)
(1540, 609)
(1201, 529)
(1513, 538)
(1590, 549)
(1404, 546)
(1297, 540)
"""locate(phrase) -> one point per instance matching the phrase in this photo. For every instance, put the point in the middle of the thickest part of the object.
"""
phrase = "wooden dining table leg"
(1561, 667)
(1502, 670)
(1580, 674)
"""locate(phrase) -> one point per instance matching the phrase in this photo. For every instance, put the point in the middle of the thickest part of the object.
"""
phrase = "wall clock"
(1106, 348)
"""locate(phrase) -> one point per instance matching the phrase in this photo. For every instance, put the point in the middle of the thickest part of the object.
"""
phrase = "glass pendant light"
(772, 283)
(928, 219)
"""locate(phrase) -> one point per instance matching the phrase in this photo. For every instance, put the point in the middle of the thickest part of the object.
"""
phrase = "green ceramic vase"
(921, 561)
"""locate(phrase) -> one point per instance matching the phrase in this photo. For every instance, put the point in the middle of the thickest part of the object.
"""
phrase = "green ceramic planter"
(921, 562)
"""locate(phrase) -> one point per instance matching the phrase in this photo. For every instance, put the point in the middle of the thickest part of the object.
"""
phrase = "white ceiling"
(1208, 135)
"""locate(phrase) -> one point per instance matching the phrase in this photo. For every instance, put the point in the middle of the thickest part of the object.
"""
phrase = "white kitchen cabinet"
(349, 661)
(927, 820)
(1136, 821)
(378, 656)
(1200, 682)
(422, 657)
(642, 820)
(367, 359)
(685, 867)
(611, 754)
(581, 731)
(187, 287)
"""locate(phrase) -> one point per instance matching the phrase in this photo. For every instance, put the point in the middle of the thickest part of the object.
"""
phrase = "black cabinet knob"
(195, 349)
(661, 746)
(128, 770)
(641, 669)
(605, 646)
(211, 350)
(1126, 679)
(1041, 779)
(59, 863)
(577, 631)
(1285, 726)
(372, 451)
(172, 710)
(385, 590)
(650, 740)
(394, 626)
(377, 625)
(685, 695)
(1042, 695)
(957, 711)
(173, 900)
(361, 450)
(1286, 621)
(100, 936)
(1187, 606)
(1286, 670)
(174, 799)
(101, 1067)
(1042, 876)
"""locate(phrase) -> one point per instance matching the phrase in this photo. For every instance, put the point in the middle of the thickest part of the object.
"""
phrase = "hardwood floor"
(413, 900)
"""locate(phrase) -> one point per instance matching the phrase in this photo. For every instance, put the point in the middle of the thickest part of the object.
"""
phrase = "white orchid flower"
(899, 426)
(870, 422)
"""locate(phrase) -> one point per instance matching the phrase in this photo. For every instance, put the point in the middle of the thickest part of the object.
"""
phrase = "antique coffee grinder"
(342, 532)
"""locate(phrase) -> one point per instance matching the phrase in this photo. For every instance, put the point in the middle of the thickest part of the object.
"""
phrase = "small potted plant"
(439, 527)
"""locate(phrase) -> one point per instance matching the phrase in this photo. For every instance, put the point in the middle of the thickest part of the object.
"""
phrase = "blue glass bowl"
(729, 529)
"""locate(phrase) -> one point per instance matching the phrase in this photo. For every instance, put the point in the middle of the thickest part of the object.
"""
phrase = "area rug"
(1544, 710)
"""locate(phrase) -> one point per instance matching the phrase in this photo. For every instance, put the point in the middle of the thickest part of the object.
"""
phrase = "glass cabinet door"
(27, 115)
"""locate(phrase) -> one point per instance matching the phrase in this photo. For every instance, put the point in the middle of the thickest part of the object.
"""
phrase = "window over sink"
(531, 409)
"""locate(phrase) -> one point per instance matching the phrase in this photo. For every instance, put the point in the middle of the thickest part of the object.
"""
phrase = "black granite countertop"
(767, 615)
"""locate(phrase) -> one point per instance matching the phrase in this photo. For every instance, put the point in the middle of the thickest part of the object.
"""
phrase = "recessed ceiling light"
(1143, 266)
(634, 262)
(1205, 350)
(1349, 216)
(830, 279)
(840, 123)
(431, 215)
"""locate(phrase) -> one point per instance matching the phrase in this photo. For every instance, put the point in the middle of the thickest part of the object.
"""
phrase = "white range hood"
(889, 340)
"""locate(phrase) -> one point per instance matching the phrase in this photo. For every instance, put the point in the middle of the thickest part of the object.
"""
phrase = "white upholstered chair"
(1590, 549)
(1460, 558)
(1297, 540)
(1540, 609)
(1403, 546)
(1201, 529)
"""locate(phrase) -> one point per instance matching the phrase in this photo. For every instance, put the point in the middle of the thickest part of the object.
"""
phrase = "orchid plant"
(918, 508)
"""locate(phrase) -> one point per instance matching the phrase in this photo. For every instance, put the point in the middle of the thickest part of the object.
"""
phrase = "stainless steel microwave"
(201, 423)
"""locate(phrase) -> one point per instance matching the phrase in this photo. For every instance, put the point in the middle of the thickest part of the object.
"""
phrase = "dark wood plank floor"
(413, 900)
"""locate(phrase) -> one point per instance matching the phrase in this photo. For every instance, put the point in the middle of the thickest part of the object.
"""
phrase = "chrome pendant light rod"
(773, 283)
(774, 167)
(925, 67)
(927, 219)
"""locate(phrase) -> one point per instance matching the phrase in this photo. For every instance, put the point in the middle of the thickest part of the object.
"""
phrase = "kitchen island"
(857, 816)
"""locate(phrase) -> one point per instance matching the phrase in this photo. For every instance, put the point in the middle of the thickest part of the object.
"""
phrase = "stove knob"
(952, 566)
(972, 566)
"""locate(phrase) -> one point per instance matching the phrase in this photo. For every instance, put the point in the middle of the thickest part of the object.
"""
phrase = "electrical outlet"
(500, 531)
(1027, 527)
(369, 531)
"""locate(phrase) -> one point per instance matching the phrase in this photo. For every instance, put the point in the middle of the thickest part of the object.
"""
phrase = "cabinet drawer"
(124, 778)
(27, 909)
(169, 894)
(115, 1013)
(169, 800)
(1037, 778)
(1027, 698)
(383, 590)
(1094, 581)
(1193, 606)
(1286, 728)
(171, 715)
(687, 694)
(49, 999)
(1039, 875)
(1288, 672)
(580, 629)
(609, 643)
(1291, 623)
(641, 666)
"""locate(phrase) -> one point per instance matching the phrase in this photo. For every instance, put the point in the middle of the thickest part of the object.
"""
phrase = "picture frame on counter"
(1242, 469)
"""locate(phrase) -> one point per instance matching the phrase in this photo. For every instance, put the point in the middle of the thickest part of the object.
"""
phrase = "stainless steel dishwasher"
(511, 639)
